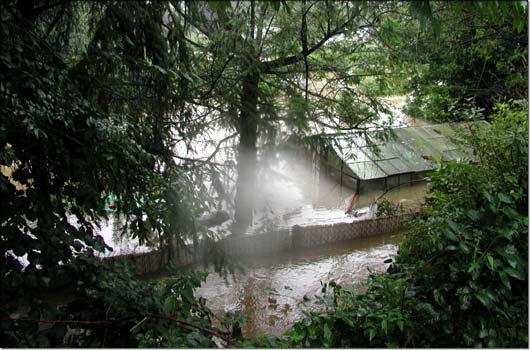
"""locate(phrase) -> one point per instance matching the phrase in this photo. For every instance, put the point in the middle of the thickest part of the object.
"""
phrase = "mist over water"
(291, 191)
(288, 193)
(276, 289)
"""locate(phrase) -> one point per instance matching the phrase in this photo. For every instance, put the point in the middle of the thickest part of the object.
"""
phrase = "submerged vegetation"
(110, 98)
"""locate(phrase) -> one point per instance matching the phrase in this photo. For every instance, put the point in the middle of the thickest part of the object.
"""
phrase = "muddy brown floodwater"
(275, 289)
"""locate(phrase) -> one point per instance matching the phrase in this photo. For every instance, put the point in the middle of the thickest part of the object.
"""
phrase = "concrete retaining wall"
(266, 243)
(257, 244)
(152, 262)
(310, 236)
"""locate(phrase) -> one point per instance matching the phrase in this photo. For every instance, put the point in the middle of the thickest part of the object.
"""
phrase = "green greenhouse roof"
(402, 150)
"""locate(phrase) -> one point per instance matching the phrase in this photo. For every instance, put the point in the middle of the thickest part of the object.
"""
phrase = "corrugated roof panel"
(401, 165)
(347, 148)
(414, 161)
(389, 150)
(442, 144)
(439, 130)
(388, 167)
(420, 144)
(421, 132)
(400, 150)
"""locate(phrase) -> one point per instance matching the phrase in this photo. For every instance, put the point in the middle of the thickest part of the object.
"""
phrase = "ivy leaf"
(505, 199)
(505, 280)
(515, 273)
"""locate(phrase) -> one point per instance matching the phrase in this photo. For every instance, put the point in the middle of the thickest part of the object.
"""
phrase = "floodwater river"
(275, 289)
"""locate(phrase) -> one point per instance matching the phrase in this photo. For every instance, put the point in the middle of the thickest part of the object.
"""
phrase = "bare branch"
(286, 61)
(209, 158)
(216, 79)
(205, 330)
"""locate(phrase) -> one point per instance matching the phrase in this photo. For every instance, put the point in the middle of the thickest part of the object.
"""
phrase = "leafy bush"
(386, 207)
(467, 61)
(67, 140)
(111, 307)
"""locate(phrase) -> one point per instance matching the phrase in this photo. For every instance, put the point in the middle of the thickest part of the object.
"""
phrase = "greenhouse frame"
(391, 157)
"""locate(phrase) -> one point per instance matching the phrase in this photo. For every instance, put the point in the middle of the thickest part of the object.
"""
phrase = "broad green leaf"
(464, 247)
(505, 280)
(473, 214)
(491, 263)
(438, 297)
(483, 298)
(516, 273)
(400, 324)
(449, 234)
(454, 226)
(372, 334)
(505, 199)
(384, 325)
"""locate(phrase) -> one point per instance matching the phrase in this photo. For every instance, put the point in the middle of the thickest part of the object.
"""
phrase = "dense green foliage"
(110, 307)
(461, 276)
(476, 53)
(79, 123)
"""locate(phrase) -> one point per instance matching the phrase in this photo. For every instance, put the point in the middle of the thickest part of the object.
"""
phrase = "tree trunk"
(247, 153)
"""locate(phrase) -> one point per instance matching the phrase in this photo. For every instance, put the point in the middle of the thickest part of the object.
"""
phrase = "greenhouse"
(393, 155)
